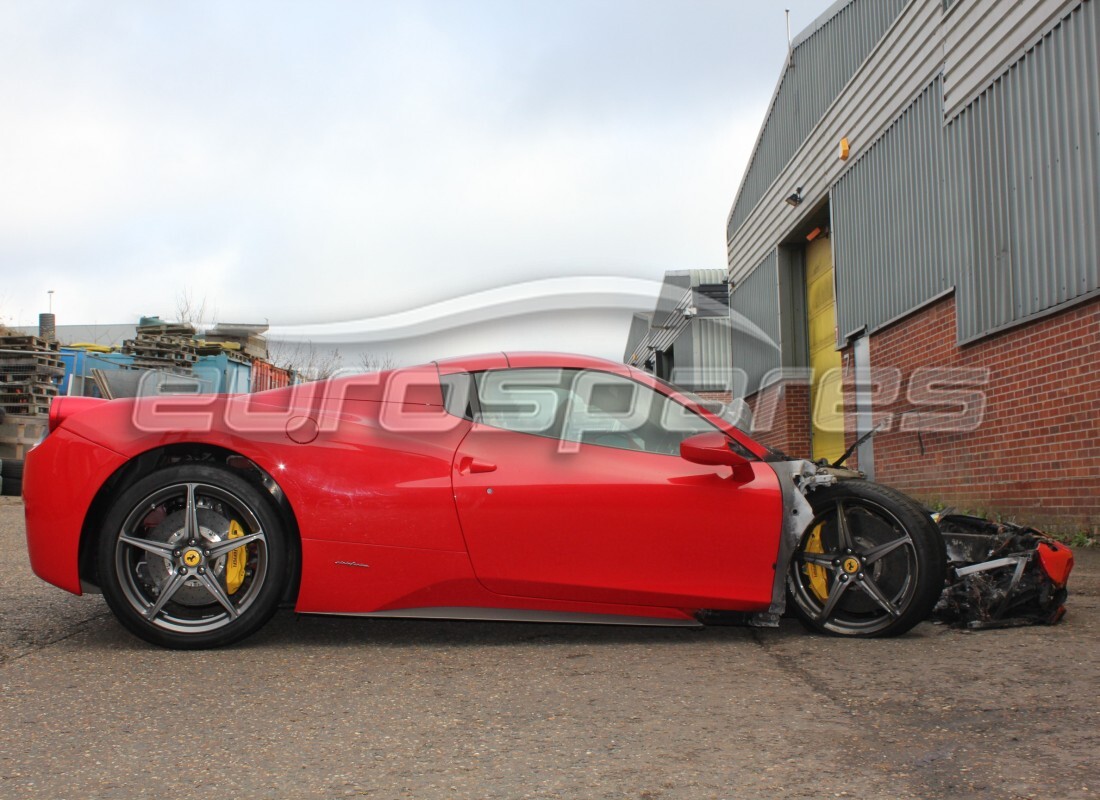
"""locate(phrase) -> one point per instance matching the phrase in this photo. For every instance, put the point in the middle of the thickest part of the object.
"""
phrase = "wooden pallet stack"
(30, 374)
(246, 339)
(231, 351)
(168, 347)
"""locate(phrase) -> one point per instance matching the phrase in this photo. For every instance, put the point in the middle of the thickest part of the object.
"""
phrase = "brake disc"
(819, 577)
(213, 528)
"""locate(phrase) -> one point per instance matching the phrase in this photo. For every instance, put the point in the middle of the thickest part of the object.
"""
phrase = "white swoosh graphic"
(531, 297)
(518, 299)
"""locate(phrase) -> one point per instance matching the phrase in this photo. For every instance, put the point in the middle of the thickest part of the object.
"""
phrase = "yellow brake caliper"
(819, 580)
(235, 561)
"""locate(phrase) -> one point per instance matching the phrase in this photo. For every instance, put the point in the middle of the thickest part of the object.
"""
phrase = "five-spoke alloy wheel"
(870, 563)
(193, 556)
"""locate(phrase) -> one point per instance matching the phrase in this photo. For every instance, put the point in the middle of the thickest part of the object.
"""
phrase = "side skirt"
(510, 615)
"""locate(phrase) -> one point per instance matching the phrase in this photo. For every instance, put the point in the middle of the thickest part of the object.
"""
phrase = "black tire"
(878, 574)
(11, 477)
(151, 544)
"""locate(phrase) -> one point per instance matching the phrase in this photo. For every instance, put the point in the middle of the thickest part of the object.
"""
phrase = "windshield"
(736, 413)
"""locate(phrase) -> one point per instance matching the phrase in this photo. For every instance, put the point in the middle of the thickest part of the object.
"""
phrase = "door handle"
(468, 465)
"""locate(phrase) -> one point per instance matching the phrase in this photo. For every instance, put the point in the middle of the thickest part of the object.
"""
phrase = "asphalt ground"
(318, 707)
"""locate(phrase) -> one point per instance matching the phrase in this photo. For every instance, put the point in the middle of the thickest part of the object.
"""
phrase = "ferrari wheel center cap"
(192, 557)
(851, 565)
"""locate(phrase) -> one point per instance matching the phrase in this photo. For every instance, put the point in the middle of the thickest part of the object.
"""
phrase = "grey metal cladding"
(983, 38)
(821, 66)
(754, 319)
(899, 68)
(1028, 168)
(636, 338)
(671, 299)
(713, 357)
(889, 217)
(707, 277)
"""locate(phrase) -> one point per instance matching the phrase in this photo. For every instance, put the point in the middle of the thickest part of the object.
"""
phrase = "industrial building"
(918, 230)
(686, 338)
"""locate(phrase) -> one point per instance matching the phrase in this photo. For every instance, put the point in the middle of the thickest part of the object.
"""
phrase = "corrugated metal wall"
(822, 65)
(707, 277)
(713, 351)
(635, 352)
(889, 217)
(1027, 164)
(690, 324)
(673, 288)
(908, 58)
(1003, 201)
(982, 37)
(754, 317)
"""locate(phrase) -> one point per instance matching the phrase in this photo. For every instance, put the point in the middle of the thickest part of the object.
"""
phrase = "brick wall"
(720, 397)
(1035, 456)
(781, 417)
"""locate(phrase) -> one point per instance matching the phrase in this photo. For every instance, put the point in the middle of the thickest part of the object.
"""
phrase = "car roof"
(485, 361)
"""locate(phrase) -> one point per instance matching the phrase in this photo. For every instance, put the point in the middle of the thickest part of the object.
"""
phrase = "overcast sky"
(324, 161)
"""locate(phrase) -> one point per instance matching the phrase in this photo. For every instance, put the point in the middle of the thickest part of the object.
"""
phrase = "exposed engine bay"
(1000, 574)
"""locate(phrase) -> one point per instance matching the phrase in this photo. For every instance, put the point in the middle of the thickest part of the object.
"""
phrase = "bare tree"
(304, 358)
(193, 312)
(377, 362)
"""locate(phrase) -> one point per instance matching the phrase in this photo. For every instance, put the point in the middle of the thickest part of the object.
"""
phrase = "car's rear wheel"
(193, 556)
(870, 563)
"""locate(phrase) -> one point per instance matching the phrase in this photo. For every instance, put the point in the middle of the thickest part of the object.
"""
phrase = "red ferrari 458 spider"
(505, 486)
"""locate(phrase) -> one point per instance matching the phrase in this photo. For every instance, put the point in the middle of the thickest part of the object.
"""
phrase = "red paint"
(711, 448)
(1057, 562)
(61, 477)
(267, 376)
(609, 525)
(398, 490)
(63, 407)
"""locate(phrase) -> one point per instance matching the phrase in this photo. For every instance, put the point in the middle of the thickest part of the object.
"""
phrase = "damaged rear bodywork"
(997, 574)
(1001, 574)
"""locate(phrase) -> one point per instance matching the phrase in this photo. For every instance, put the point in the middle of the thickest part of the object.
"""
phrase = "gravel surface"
(336, 707)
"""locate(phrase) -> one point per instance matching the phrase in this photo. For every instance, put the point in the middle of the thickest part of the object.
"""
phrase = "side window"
(587, 407)
(459, 397)
(524, 400)
(615, 411)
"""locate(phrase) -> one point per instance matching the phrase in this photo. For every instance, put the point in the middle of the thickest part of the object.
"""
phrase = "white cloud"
(330, 161)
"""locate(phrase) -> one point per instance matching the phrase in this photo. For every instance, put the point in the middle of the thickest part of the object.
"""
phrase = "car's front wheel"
(193, 556)
(870, 563)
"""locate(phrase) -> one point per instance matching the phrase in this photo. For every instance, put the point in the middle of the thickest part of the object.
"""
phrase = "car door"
(569, 485)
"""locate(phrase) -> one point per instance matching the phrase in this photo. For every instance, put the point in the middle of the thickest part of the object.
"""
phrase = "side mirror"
(712, 449)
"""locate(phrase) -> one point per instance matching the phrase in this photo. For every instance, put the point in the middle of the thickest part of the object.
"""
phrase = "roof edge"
(804, 35)
(819, 22)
